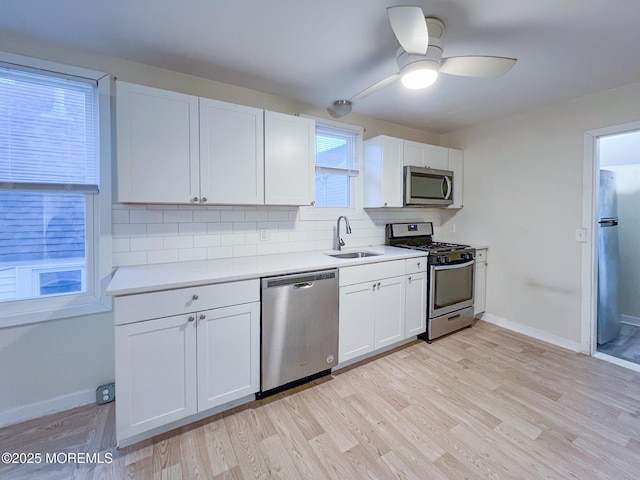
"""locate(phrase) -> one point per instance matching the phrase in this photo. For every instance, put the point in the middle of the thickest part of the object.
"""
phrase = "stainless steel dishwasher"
(299, 327)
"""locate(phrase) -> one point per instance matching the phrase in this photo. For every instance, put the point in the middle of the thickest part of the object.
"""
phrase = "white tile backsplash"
(149, 234)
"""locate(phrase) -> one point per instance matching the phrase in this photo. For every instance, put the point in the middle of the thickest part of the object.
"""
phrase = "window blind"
(336, 151)
(48, 132)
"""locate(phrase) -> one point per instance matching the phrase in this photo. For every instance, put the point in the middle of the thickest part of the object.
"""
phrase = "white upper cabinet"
(231, 153)
(181, 149)
(157, 145)
(424, 155)
(383, 158)
(289, 159)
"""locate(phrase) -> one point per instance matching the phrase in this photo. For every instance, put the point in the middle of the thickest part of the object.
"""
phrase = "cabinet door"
(415, 304)
(392, 172)
(480, 286)
(158, 151)
(389, 311)
(228, 354)
(357, 310)
(456, 166)
(424, 155)
(289, 159)
(231, 153)
(156, 372)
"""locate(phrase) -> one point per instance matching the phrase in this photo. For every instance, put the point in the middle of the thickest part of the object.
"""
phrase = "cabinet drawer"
(415, 265)
(481, 255)
(145, 306)
(372, 271)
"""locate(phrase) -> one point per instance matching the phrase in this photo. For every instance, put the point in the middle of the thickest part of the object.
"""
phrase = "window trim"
(355, 212)
(98, 217)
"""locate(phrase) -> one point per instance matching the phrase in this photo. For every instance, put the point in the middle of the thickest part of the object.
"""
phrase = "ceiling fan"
(420, 57)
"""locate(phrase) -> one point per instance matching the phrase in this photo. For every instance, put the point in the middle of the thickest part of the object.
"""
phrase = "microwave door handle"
(446, 187)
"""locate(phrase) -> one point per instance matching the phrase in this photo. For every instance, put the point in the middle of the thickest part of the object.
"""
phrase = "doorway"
(618, 246)
(611, 306)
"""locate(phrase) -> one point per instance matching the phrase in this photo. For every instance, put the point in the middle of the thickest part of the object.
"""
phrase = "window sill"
(55, 312)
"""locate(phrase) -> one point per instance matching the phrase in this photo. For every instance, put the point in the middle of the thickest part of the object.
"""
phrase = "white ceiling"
(319, 51)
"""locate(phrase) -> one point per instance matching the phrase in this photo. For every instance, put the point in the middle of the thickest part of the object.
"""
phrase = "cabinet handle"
(385, 204)
(378, 285)
(195, 297)
(203, 199)
(202, 316)
(192, 318)
(409, 278)
(374, 286)
(194, 200)
(419, 264)
(313, 203)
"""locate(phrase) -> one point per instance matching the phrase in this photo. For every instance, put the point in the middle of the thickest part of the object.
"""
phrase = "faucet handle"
(341, 242)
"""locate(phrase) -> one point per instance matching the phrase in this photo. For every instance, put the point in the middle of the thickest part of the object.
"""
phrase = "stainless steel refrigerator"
(608, 259)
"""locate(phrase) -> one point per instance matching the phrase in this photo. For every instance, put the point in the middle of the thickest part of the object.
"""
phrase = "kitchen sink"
(353, 254)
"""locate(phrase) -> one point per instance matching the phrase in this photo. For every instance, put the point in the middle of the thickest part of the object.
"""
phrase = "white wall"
(523, 198)
(58, 364)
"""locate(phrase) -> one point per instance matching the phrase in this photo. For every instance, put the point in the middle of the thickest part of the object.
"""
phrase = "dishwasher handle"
(300, 280)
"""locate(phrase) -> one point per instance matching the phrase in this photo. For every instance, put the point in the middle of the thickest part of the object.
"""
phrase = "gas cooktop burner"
(433, 247)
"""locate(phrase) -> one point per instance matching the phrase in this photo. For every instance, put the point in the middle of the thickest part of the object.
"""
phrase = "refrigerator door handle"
(608, 223)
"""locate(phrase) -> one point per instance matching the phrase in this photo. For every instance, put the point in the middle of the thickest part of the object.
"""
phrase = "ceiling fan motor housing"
(431, 59)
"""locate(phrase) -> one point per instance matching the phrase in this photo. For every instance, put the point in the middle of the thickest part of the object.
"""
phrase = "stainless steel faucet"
(338, 243)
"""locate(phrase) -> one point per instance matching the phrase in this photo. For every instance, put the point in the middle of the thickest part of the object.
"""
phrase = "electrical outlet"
(105, 393)
(264, 234)
(452, 227)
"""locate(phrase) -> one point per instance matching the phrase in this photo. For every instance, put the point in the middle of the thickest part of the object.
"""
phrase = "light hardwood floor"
(483, 403)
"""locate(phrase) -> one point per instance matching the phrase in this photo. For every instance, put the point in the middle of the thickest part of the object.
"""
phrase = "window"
(51, 207)
(337, 161)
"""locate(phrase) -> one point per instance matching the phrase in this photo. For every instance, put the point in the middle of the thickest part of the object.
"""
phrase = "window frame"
(97, 215)
(355, 211)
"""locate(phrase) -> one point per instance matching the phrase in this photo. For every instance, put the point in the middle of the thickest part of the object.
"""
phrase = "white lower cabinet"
(371, 311)
(155, 373)
(480, 282)
(415, 304)
(228, 344)
(173, 367)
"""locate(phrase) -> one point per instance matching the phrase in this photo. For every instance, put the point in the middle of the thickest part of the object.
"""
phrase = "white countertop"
(166, 276)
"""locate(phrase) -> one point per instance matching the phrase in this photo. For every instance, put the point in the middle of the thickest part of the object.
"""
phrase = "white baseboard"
(46, 407)
(532, 332)
(628, 319)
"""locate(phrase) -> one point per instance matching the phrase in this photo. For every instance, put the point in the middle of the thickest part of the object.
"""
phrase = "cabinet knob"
(313, 203)
(419, 264)
(203, 199)
(202, 316)
(195, 297)
(194, 200)
(378, 285)
(409, 278)
(385, 204)
(191, 318)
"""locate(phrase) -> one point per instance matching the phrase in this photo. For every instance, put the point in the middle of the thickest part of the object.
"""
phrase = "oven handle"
(451, 267)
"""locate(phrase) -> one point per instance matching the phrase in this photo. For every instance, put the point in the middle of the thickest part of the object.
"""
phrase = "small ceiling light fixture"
(340, 108)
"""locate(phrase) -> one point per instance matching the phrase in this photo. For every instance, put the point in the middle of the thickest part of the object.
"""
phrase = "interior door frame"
(590, 191)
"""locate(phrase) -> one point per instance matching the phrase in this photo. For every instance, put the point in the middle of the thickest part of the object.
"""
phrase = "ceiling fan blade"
(375, 87)
(477, 66)
(410, 28)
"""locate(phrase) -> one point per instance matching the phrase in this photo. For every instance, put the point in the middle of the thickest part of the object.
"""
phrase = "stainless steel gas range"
(450, 279)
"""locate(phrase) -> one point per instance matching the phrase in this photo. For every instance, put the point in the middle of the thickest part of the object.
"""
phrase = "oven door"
(450, 288)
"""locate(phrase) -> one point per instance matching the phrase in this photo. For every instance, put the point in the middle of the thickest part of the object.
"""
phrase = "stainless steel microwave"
(427, 187)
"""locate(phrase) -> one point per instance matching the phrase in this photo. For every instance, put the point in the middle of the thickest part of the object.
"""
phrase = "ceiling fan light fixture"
(419, 74)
